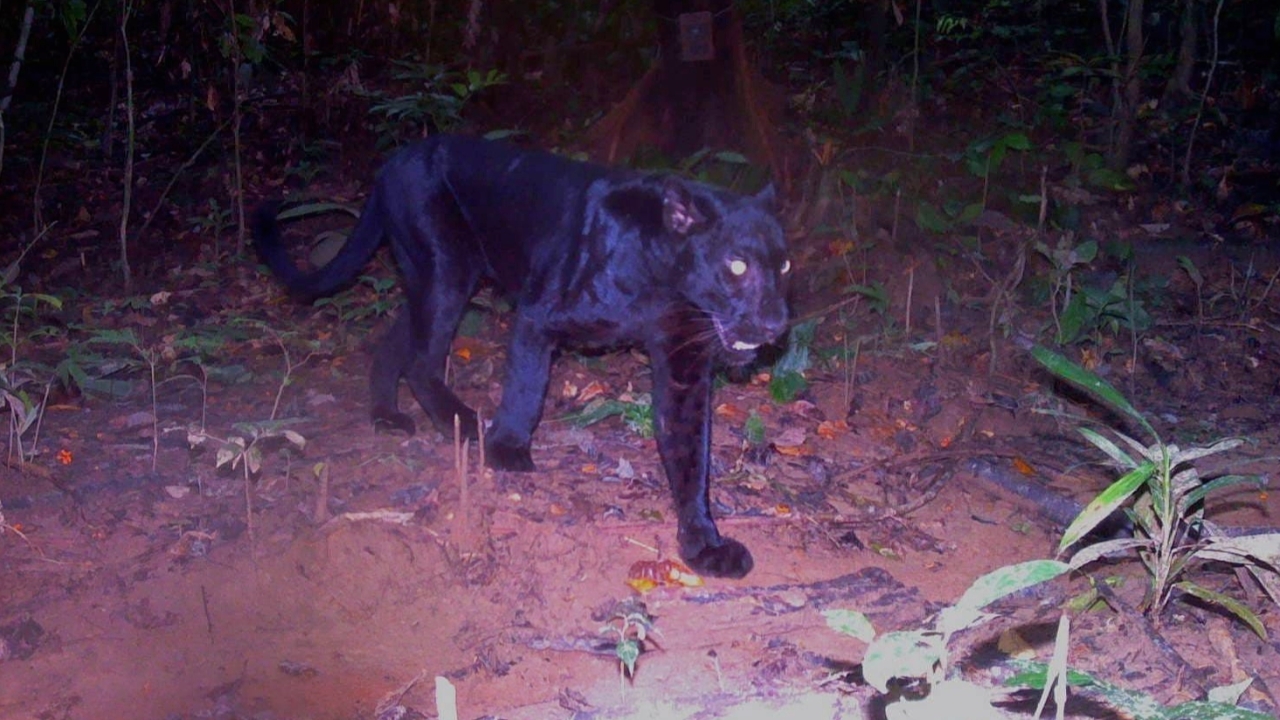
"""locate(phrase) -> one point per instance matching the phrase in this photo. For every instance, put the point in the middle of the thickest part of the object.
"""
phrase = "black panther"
(590, 255)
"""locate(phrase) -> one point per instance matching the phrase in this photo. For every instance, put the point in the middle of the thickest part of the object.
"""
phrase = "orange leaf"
(830, 429)
(792, 450)
(591, 391)
(646, 575)
(464, 353)
(641, 585)
(1023, 467)
(731, 413)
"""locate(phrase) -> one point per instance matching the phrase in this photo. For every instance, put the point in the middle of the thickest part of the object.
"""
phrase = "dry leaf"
(646, 575)
(791, 437)
(731, 413)
(830, 430)
(593, 390)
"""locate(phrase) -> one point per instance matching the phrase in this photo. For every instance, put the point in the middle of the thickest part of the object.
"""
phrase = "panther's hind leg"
(391, 359)
(433, 247)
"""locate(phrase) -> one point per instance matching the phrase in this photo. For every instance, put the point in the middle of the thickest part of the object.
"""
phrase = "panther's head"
(736, 262)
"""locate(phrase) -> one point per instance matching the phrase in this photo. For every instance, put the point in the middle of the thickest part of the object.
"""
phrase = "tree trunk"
(702, 92)
(1179, 87)
(1128, 114)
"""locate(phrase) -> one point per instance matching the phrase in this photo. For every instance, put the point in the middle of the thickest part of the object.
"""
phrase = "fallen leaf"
(731, 413)
(593, 390)
(1023, 467)
(646, 575)
(791, 437)
(830, 429)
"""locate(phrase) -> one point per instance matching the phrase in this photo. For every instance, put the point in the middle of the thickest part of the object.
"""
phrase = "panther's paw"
(393, 422)
(724, 558)
(502, 456)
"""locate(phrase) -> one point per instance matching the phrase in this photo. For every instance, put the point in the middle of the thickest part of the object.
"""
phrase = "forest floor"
(142, 583)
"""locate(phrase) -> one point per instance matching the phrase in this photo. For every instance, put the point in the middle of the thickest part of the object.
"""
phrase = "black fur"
(591, 256)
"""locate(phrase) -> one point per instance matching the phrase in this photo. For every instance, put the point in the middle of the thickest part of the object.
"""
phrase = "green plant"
(913, 668)
(1171, 532)
(438, 102)
(1081, 309)
(215, 221)
(352, 306)
(635, 409)
(25, 410)
(631, 624)
(950, 217)
(787, 380)
(984, 157)
(920, 660)
(245, 450)
(1220, 704)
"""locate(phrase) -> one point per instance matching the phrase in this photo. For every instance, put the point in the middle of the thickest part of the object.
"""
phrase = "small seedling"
(632, 625)
(245, 450)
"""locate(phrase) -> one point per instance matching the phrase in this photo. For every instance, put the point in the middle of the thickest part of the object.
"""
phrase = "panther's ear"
(680, 214)
(768, 197)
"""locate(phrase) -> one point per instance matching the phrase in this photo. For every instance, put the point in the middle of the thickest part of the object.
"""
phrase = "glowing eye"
(737, 267)
(786, 266)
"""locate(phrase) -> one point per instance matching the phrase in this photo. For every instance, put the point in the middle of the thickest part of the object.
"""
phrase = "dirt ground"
(137, 583)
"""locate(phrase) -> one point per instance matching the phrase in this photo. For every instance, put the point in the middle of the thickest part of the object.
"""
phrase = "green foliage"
(984, 157)
(252, 440)
(1081, 309)
(725, 168)
(1167, 490)
(437, 102)
(877, 297)
(71, 14)
(922, 655)
(753, 429)
(1221, 704)
(353, 306)
(631, 624)
(25, 408)
(215, 221)
(948, 218)
(636, 411)
(1090, 169)
(787, 380)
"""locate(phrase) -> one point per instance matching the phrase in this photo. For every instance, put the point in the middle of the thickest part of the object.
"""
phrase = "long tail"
(342, 269)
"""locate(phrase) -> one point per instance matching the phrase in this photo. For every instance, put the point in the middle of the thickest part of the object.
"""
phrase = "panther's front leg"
(682, 364)
(523, 392)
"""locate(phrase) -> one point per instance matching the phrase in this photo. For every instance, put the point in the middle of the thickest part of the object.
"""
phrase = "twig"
(1213, 67)
(126, 8)
(53, 116)
(322, 496)
(460, 448)
(208, 619)
(236, 115)
(142, 231)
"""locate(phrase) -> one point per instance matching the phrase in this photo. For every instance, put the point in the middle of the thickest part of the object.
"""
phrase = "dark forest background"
(130, 123)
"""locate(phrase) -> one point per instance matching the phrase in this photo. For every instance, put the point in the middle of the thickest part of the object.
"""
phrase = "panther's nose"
(773, 322)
